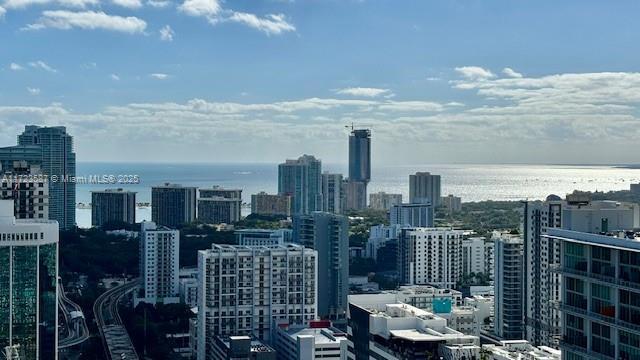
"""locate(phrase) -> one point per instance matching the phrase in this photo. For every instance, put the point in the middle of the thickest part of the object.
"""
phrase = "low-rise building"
(240, 348)
(519, 350)
(317, 341)
(400, 331)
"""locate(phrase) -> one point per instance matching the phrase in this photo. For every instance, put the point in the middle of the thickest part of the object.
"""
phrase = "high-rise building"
(355, 193)
(424, 187)
(509, 314)
(477, 256)
(360, 155)
(359, 169)
(542, 286)
(173, 205)
(159, 263)
(302, 179)
(263, 237)
(113, 205)
(600, 299)
(397, 331)
(28, 285)
(328, 234)
(451, 204)
(268, 204)
(52, 149)
(383, 201)
(249, 290)
(430, 256)
(412, 215)
(333, 196)
(28, 187)
(219, 206)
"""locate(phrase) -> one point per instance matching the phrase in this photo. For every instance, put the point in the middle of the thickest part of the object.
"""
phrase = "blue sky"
(438, 81)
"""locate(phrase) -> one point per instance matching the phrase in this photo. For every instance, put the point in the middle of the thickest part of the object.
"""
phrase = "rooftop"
(322, 335)
(623, 240)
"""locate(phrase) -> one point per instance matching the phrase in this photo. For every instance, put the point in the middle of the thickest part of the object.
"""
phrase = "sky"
(260, 81)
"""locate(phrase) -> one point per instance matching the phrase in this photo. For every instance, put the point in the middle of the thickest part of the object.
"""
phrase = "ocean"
(470, 182)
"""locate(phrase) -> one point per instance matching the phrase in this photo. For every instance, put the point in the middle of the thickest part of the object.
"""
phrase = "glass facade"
(28, 303)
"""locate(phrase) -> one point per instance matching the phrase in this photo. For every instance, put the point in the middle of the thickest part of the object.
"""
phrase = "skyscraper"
(359, 169)
(328, 234)
(509, 314)
(173, 205)
(113, 205)
(57, 160)
(302, 179)
(159, 263)
(360, 155)
(332, 194)
(28, 285)
(424, 187)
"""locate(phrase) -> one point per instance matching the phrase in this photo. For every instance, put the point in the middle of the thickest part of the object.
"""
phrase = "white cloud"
(129, 4)
(2, 12)
(16, 67)
(91, 20)
(474, 72)
(33, 91)
(159, 76)
(511, 73)
(166, 33)
(206, 8)
(42, 66)
(363, 91)
(159, 4)
(115, 77)
(271, 24)
(212, 10)
(78, 4)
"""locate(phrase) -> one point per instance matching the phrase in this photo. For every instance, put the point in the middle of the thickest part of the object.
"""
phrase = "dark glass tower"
(28, 285)
(359, 169)
(360, 155)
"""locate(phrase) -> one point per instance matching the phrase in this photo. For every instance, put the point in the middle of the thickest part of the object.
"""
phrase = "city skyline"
(432, 81)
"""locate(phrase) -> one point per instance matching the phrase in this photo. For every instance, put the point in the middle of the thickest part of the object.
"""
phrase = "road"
(77, 331)
(115, 338)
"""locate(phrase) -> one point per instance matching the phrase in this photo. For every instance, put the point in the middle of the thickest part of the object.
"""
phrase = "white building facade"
(430, 256)
(159, 264)
(249, 290)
